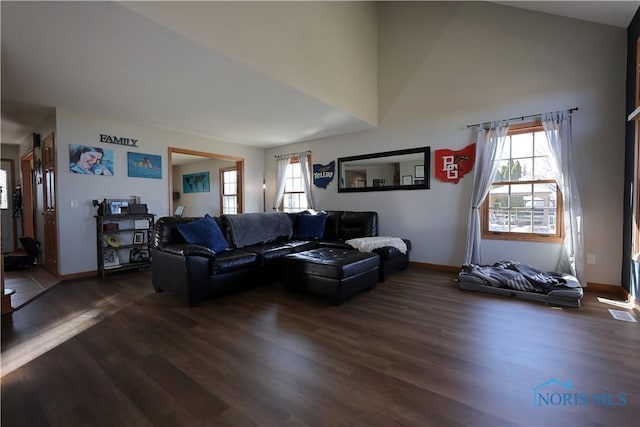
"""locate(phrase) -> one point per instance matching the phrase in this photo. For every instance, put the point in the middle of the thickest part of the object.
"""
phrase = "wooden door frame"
(50, 198)
(239, 165)
(28, 197)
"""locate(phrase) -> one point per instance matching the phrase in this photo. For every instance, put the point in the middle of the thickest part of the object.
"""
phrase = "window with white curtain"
(524, 202)
(294, 199)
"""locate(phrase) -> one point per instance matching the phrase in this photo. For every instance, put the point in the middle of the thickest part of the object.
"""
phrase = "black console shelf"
(124, 242)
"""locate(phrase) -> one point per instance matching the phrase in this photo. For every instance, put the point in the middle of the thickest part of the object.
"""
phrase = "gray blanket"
(255, 228)
(518, 276)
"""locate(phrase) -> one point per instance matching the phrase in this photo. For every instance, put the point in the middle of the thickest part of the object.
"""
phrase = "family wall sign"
(119, 140)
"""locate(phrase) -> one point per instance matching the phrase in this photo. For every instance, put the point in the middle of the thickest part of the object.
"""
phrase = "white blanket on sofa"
(367, 244)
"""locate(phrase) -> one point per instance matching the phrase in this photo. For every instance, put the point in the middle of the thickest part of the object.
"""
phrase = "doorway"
(8, 225)
(188, 162)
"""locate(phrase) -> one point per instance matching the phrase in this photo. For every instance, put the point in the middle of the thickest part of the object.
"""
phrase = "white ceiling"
(106, 60)
(615, 13)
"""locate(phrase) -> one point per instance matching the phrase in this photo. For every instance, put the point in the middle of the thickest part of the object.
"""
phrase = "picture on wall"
(142, 165)
(86, 160)
(196, 182)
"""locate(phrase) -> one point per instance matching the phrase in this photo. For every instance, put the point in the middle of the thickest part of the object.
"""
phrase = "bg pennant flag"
(452, 165)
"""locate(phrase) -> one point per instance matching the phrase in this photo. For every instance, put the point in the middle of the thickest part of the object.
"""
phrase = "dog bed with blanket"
(522, 281)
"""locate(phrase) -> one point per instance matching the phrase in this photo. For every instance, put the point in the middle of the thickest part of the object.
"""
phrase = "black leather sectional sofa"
(257, 244)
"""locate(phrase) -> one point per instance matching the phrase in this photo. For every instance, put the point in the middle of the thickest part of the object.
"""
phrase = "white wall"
(76, 226)
(445, 65)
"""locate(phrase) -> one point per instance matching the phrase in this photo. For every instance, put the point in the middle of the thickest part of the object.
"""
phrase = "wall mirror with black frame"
(390, 170)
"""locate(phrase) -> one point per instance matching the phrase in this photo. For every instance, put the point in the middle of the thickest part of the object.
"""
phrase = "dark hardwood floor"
(415, 351)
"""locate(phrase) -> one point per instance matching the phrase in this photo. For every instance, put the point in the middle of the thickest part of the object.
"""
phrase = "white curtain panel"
(304, 163)
(489, 146)
(283, 162)
(557, 128)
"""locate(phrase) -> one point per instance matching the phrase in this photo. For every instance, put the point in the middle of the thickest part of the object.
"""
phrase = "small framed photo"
(118, 207)
(407, 180)
(110, 259)
(138, 238)
(419, 172)
(138, 255)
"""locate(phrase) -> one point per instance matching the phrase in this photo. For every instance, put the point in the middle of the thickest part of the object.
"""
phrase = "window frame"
(223, 194)
(558, 237)
(294, 160)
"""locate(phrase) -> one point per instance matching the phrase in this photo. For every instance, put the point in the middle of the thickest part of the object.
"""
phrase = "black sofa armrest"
(388, 252)
(186, 276)
(391, 260)
(187, 249)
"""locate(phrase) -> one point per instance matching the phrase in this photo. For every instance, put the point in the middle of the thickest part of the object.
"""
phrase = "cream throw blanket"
(367, 244)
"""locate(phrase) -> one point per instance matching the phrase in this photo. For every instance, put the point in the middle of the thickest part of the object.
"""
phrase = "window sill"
(523, 237)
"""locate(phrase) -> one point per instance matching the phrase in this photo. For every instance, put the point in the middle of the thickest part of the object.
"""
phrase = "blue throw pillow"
(204, 232)
(310, 226)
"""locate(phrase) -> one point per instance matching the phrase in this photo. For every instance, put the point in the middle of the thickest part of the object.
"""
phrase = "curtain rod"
(571, 110)
(298, 154)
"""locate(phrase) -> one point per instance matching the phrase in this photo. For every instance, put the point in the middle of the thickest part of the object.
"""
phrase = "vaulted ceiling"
(239, 72)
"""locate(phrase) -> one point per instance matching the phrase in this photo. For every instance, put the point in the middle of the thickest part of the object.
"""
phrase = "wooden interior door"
(49, 211)
(28, 218)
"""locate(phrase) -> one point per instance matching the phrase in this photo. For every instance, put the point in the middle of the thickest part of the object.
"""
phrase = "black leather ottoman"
(334, 273)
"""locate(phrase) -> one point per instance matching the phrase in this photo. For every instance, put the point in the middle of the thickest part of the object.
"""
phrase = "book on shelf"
(110, 226)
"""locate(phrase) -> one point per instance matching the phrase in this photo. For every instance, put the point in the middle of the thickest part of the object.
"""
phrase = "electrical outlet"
(74, 203)
(591, 259)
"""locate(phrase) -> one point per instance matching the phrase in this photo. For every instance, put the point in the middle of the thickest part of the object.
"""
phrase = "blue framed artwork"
(196, 182)
(144, 165)
(86, 160)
